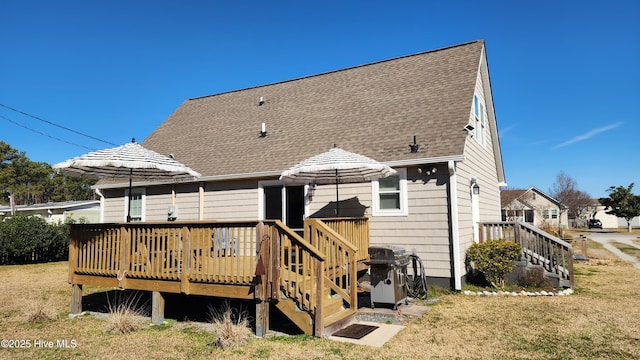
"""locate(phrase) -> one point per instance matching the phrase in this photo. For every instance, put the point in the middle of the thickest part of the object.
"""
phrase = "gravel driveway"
(605, 238)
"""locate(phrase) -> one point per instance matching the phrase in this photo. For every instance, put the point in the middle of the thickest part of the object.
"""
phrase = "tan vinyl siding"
(355, 200)
(480, 163)
(425, 231)
(187, 201)
(157, 201)
(114, 205)
(231, 200)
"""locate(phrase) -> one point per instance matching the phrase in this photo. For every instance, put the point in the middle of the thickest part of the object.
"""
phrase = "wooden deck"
(312, 280)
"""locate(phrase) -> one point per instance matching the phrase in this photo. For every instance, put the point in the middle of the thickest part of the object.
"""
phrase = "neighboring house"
(532, 206)
(597, 211)
(58, 212)
(440, 98)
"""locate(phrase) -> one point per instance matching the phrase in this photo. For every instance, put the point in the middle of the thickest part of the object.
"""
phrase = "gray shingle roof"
(373, 110)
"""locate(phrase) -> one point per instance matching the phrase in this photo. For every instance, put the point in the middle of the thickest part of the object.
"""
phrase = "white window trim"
(479, 123)
(404, 197)
(143, 192)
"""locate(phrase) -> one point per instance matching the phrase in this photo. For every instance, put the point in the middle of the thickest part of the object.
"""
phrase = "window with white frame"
(479, 121)
(136, 207)
(390, 195)
(137, 200)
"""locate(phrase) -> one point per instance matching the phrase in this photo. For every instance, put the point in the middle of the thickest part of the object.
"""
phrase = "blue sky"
(564, 74)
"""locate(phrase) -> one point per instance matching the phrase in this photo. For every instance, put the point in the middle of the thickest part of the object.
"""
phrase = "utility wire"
(41, 133)
(56, 125)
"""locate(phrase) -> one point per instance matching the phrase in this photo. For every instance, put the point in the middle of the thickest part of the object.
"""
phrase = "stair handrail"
(538, 246)
(355, 230)
(303, 267)
(315, 229)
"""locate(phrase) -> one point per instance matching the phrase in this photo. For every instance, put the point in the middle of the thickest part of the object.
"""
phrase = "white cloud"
(589, 135)
(503, 132)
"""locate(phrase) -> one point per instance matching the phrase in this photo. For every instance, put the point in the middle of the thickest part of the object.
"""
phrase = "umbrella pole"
(337, 198)
(129, 206)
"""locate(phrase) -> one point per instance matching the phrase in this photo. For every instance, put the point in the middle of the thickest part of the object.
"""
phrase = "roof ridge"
(340, 70)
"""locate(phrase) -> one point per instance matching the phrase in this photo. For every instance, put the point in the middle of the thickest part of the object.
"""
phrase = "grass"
(232, 327)
(627, 249)
(594, 323)
(39, 311)
(125, 313)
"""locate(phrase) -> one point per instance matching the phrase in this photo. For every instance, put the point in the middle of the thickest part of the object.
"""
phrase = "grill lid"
(387, 254)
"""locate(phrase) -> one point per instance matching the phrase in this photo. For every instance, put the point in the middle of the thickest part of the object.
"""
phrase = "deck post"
(124, 237)
(262, 305)
(157, 308)
(186, 260)
(76, 298)
(274, 276)
(318, 323)
(73, 251)
(262, 317)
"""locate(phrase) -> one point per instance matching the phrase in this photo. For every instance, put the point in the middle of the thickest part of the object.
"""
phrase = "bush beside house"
(29, 239)
(494, 258)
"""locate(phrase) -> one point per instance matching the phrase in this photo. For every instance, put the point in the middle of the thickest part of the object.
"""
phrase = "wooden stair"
(335, 315)
(336, 318)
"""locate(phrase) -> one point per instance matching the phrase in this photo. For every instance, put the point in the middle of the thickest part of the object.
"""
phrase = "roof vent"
(414, 147)
(263, 130)
(261, 101)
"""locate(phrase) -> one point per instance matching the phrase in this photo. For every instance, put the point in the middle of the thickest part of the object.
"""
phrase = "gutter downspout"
(455, 220)
(99, 193)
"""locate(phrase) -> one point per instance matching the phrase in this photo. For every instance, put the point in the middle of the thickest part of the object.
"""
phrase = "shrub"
(534, 278)
(29, 239)
(38, 312)
(231, 326)
(494, 258)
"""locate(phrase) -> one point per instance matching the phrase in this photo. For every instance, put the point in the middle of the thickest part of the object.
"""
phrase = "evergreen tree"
(622, 203)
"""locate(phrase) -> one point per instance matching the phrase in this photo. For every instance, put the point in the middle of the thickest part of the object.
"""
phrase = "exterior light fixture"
(424, 169)
(475, 188)
(311, 190)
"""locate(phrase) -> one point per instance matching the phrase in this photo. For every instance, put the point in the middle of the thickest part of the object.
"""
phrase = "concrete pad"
(376, 338)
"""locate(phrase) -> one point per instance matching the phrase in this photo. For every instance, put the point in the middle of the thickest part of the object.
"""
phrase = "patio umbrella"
(130, 161)
(336, 166)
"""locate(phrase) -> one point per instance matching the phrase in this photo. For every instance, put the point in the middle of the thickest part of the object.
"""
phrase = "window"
(137, 204)
(550, 214)
(390, 195)
(479, 121)
(136, 207)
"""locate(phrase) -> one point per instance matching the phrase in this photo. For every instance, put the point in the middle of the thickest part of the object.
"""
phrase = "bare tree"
(565, 190)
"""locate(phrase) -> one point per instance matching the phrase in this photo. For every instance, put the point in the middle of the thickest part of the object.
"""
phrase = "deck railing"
(306, 270)
(214, 252)
(341, 258)
(538, 246)
(355, 231)
(295, 270)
